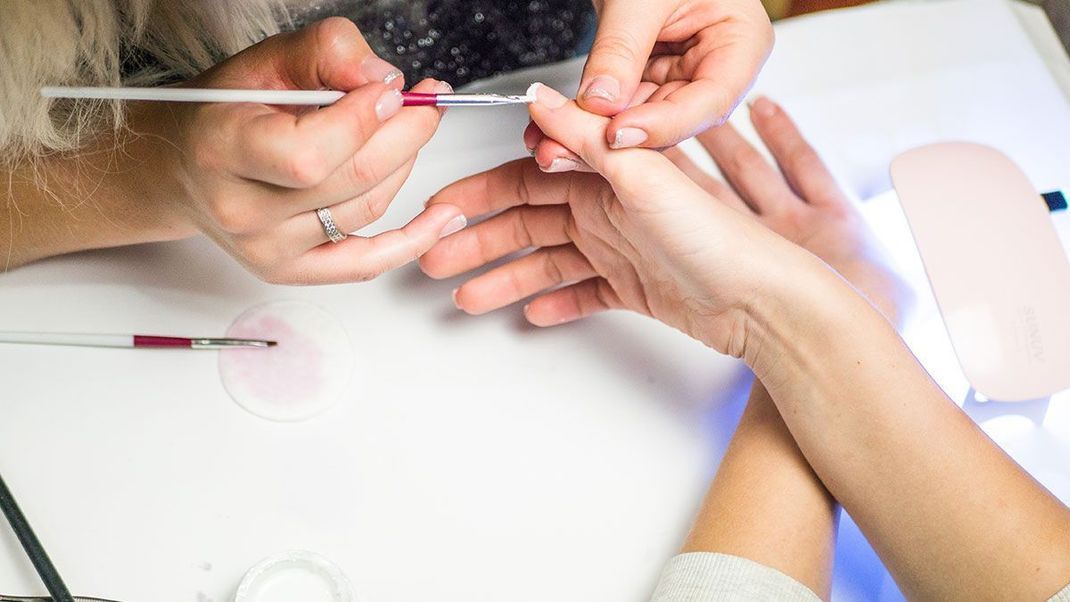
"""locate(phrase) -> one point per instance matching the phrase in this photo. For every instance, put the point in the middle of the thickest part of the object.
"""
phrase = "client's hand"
(251, 176)
(649, 239)
(802, 202)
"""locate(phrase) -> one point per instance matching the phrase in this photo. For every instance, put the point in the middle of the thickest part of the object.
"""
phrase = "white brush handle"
(268, 97)
(61, 338)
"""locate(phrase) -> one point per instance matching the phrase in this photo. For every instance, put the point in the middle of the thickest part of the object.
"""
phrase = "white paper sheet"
(473, 454)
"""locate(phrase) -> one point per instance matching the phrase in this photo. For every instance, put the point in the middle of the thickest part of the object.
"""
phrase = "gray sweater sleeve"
(709, 576)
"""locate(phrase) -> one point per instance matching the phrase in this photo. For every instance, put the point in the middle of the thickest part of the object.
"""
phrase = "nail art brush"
(38, 557)
(136, 341)
(275, 97)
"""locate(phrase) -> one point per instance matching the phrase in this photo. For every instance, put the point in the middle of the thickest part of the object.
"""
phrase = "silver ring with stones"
(329, 226)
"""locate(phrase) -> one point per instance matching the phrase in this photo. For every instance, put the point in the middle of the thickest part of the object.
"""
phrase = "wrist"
(105, 194)
(153, 183)
(804, 314)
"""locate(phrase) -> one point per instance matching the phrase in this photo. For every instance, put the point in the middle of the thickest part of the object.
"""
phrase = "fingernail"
(561, 164)
(603, 86)
(628, 137)
(531, 151)
(763, 107)
(378, 70)
(388, 104)
(443, 88)
(547, 96)
(454, 225)
(454, 295)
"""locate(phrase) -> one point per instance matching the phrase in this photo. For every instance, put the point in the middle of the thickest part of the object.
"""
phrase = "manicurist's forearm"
(112, 192)
(950, 513)
(766, 504)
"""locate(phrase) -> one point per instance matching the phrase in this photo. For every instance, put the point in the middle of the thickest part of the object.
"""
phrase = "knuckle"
(265, 257)
(307, 167)
(746, 160)
(284, 276)
(377, 206)
(617, 171)
(571, 229)
(366, 273)
(367, 208)
(334, 32)
(724, 104)
(552, 268)
(273, 276)
(207, 157)
(616, 45)
(802, 159)
(365, 172)
(485, 243)
(523, 236)
(230, 215)
(430, 265)
(600, 296)
(527, 182)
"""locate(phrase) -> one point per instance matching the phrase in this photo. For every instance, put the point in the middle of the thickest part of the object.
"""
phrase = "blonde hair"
(108, 43)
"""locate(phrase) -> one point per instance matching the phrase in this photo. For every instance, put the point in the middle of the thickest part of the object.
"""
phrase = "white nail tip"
(453, 226)
(561, 164)
(533, 91)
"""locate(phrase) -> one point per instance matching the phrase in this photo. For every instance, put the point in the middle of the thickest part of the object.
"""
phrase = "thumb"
(639, 176)
(329, 54)
(627, 31)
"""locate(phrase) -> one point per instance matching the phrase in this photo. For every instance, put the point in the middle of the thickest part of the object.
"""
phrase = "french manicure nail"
(628, 137)
(547, 96)
(378, 70)
(454, 225)
(560, 164)
(443, 88)
(388, 104)
(763, 107)
(603, 86)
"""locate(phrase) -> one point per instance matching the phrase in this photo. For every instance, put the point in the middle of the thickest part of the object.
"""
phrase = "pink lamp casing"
(999, 273)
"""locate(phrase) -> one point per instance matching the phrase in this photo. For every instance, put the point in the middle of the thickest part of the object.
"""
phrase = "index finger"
(518, 182)
(302, 151)
(712, 89)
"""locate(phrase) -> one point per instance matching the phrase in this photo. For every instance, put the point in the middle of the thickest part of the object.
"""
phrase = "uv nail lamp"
(999, 273)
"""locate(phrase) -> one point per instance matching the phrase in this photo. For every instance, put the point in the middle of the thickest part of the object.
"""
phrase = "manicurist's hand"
(640, 235)
(697, 57)
(252, 176)
(664, 71)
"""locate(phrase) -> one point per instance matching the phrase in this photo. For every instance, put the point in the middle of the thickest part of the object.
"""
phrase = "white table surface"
(473, 456)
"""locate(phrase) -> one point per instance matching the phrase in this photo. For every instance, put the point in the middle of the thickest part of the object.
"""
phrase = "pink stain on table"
(301, 376)
(279, 374)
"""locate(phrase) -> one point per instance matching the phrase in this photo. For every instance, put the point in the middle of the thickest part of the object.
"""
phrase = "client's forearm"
(106, 195)
(766, 504)
(948, 511)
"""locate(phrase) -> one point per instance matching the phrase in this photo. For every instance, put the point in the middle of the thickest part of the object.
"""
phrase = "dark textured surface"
(463, 40)
(1059, 14)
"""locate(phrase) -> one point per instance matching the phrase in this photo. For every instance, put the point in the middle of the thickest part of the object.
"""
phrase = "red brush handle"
(418, 99)
(141, 340)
